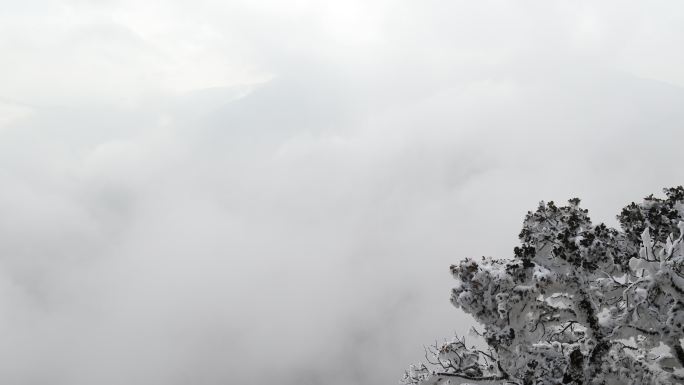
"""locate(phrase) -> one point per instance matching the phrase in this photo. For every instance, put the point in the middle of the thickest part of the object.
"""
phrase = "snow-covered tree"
(577, 304)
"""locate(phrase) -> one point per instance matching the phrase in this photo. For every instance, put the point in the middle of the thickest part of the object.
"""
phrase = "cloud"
(260, 192)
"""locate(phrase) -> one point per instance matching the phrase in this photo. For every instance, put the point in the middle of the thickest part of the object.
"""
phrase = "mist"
(272, 193)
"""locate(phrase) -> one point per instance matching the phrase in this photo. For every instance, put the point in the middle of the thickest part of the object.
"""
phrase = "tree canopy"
(576, 304)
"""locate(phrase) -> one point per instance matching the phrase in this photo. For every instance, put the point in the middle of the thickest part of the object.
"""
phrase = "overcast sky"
(268, 192)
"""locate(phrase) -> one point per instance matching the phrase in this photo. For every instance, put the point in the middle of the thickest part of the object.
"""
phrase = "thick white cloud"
(261, 192)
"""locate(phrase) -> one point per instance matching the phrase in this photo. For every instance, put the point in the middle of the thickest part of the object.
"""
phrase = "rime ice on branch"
(578, 303)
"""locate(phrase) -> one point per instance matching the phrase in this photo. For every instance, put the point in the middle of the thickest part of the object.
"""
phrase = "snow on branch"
(577, 304)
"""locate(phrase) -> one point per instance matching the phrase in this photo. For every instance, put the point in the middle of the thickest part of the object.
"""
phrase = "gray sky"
(268, 192)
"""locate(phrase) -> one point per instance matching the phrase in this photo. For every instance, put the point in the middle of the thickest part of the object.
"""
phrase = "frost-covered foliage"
(578, 304)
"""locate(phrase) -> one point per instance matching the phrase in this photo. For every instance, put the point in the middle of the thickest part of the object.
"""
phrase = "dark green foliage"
(568, 234)
(659, 215)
